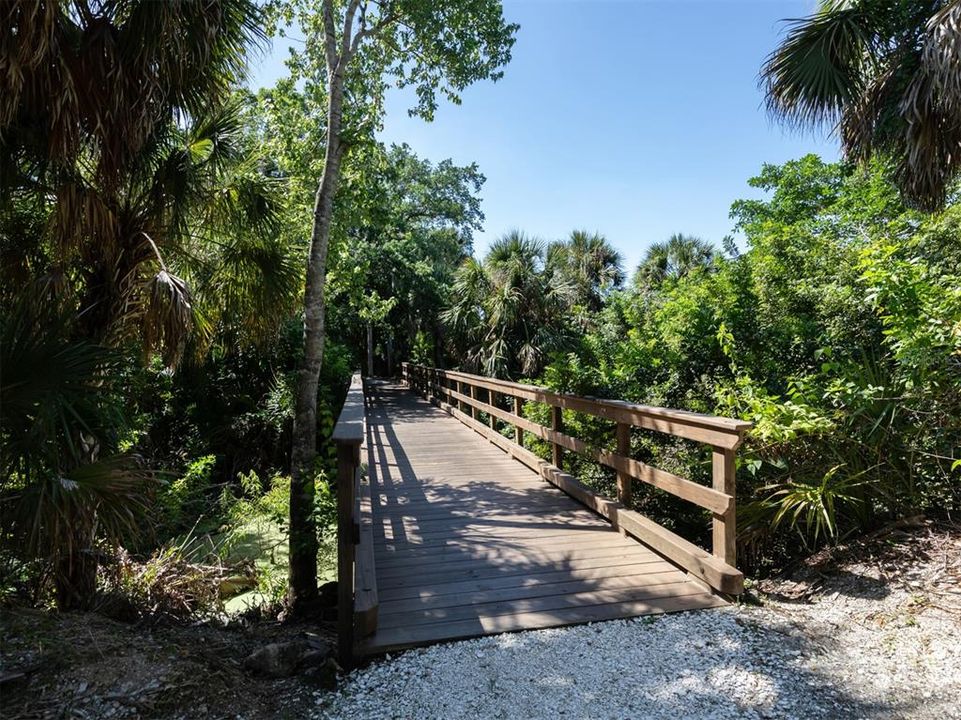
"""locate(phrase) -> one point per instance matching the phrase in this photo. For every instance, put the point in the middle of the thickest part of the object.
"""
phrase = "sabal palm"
(678, 256)
(590, 264)
(507, 311)
(115, 126)
(122, 176)
(886, 76)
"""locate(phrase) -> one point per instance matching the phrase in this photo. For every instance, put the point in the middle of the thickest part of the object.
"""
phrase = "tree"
(405, 225)
(351, 46)
(121, 170)
(590, 264)
(672, 260)
(887, 77)
(508, 312)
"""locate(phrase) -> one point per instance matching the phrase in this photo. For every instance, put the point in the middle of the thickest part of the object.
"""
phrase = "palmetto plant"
(886, 76)
(678, 256)
(508, 311)
(134, 212)
(62, 481)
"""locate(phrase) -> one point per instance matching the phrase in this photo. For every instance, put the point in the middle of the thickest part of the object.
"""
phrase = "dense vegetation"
(836, 330)
(154, 341)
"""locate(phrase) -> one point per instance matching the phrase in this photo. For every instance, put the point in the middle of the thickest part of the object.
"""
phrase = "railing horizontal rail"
(705, 497)
(709, 429)
(356, 585)
(457, 392)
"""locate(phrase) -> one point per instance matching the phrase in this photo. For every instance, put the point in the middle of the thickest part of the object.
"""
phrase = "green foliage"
(510, 312)
(64, 481)
(184, 501)
(836, 332)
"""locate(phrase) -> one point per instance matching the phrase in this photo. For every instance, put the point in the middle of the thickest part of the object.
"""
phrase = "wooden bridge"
(452, 529)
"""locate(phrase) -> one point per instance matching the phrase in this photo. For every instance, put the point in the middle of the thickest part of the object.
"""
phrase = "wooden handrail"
(457, 392)
(356, 592)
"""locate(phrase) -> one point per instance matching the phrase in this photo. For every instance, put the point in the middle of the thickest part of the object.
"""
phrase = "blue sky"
(635, 119)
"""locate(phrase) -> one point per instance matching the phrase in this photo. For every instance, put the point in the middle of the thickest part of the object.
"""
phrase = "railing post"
(518, 431)
(725, 526)
(492, 401)
(557, 425)
(625, 492)
(347, 460)
(473, 396)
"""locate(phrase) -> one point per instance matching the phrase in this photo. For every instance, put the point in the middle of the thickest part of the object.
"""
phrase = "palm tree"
(117, 128)
(508, 313)
(590, 264)
(886, 76)
(672, 260)
(124, 179)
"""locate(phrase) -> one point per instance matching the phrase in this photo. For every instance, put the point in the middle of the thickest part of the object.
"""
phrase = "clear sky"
(636, 119)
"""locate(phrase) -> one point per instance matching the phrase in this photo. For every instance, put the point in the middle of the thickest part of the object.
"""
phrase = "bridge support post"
(557, 425)
(625, 493)
(725, 526)
(518, 432)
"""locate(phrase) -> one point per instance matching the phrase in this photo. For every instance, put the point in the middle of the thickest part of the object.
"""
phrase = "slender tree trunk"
(302, 592)
(370, 350)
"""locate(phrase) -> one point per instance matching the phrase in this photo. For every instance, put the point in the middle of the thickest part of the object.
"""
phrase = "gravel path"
(858, 645)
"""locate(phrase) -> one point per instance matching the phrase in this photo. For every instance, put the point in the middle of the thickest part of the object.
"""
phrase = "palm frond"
(942, 52)
(818, 69)
(168, 316)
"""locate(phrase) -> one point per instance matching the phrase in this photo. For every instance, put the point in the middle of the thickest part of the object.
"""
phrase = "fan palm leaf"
(885, 77)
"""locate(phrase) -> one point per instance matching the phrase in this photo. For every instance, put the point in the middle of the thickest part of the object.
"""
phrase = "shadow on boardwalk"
(470, 542)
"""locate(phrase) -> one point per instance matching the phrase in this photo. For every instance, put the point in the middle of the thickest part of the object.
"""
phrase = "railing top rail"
(720, 431)
(349, 429)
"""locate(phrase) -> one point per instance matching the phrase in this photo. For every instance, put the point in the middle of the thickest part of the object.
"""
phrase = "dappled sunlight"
(690, 665)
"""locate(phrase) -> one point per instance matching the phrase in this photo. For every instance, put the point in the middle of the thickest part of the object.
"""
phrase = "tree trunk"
(302, 592)
(75, 574)
(370, 350)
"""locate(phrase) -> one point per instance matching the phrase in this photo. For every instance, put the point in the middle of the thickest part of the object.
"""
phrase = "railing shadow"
(477, 530)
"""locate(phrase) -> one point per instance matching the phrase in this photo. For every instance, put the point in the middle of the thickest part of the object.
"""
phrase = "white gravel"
(864, 651)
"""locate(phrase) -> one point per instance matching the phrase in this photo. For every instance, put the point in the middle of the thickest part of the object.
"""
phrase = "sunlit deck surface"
(470, 542)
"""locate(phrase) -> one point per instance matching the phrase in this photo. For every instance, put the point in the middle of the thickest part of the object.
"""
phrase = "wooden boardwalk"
(468, 541)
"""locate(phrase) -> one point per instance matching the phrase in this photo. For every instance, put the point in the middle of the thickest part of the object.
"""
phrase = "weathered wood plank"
(366, 603)
(461, 588)
(469, 542)
(396, 638)
(564, 586)
(485, 570)
(670, 587)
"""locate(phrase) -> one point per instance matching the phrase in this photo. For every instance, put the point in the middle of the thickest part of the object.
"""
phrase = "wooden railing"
(356, 586)
(465, 396)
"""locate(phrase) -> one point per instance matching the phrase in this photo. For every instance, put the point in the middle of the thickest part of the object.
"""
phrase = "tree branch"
(330, 36)
(368, 31)
(348, 31)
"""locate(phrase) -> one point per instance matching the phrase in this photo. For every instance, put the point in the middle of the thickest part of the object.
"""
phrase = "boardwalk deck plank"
(470, 542)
